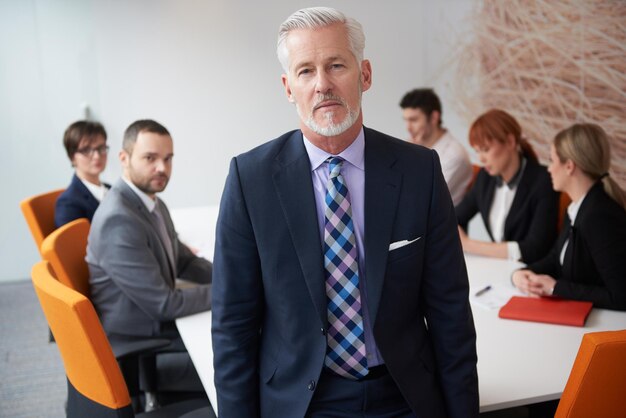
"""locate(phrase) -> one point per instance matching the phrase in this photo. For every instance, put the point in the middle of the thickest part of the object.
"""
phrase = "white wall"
(205, 69)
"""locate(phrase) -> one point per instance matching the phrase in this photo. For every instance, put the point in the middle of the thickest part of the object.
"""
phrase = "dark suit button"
(323, 331)
(311, 386)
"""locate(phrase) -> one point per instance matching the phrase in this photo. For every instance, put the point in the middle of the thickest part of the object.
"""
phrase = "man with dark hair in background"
(421, 110)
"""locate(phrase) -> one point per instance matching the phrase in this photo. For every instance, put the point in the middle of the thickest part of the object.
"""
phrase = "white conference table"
(519, 363)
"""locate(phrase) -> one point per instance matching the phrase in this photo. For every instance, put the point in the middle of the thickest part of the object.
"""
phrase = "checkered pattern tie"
(346, 342)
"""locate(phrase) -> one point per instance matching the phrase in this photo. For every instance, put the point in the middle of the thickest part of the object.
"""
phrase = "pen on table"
(482, 291)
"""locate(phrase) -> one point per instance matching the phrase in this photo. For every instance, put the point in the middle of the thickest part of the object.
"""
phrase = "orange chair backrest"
(39, 213)
(87, 355)
(597, 383)
(65, 249)
(564, 202)
(475, 170)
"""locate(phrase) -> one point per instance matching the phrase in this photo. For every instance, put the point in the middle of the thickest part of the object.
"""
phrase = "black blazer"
(74, 203)
(594, 266)
(533, 217)
(269, 298)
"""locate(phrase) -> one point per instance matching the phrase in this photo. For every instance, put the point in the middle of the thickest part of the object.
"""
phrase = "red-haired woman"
(512, 193)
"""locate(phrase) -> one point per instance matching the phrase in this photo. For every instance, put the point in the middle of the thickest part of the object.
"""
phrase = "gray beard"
(332, 129)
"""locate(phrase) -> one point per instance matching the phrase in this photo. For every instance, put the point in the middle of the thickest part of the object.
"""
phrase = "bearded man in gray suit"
(135, 257)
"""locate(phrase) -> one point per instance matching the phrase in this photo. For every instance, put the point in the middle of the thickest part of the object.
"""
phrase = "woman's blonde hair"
(587, 145)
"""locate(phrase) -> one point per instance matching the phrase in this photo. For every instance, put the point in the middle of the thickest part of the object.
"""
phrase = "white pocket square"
(400, 244)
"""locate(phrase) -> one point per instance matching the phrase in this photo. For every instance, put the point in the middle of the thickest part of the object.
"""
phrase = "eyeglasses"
(89, 152)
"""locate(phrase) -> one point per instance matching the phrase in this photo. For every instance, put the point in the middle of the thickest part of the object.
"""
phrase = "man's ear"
(123, 155)
(435, 116)
(366, 75)
(285, 79)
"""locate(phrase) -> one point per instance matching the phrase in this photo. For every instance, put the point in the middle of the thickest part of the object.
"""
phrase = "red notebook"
(550, 310)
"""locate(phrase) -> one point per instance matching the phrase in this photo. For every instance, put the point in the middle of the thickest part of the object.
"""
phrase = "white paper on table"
(494, 298)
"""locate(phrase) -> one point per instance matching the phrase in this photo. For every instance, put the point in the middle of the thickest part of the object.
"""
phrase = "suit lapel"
(382, 190)
(142, 211)
(523, 190)
(294, 187)
(90, 200)
(486, 203)
(568, 257)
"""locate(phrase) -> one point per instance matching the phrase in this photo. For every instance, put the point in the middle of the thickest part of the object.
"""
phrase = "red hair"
(497, 125)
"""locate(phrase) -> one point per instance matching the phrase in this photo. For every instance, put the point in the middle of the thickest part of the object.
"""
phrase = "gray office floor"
(32, 380)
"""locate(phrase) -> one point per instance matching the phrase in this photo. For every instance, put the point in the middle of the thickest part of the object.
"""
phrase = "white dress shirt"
(572, 211)
(500, 207)
(455, 165)
(97, 191)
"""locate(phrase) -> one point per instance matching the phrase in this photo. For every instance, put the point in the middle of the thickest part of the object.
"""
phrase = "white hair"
(319, 17)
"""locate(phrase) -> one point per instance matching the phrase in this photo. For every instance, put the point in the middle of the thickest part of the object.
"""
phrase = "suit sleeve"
(605, 241)
(237, 305)
(445, 295)
(132, 265)
(543, 227)
(191, 267)
(550, 264)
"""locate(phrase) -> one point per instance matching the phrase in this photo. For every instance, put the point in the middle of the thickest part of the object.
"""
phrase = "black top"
(594, 266)
(75, 202)
(533, 217)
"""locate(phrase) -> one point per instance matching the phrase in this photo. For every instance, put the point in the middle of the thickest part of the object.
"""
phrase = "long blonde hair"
(587, 145)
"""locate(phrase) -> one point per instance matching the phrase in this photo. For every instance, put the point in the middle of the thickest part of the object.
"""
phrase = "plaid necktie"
(346, 342)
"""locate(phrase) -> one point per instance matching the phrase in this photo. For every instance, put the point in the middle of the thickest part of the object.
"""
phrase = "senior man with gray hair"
(339, 286)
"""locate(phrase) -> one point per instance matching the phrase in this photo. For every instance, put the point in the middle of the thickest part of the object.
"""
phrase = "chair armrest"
(130, 348)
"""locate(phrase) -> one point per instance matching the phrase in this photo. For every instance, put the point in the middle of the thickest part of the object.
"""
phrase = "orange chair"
(39, 213)
(475, 170)
(65, 249)
(96, 386)
(597, 383)
(564, 201)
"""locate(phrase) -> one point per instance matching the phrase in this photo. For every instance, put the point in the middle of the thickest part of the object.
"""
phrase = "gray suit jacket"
(132, 281)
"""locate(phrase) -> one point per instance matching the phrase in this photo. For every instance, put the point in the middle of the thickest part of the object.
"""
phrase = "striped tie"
(346, 343)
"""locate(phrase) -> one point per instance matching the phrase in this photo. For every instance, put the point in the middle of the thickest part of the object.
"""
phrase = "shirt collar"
(354, 154)
(512, 184)
(572, 209)
(97, 191)
(147, 200)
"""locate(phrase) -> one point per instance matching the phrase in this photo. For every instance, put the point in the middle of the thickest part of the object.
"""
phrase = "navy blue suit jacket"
(533, 217)
(269, 298)
(74, 203)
